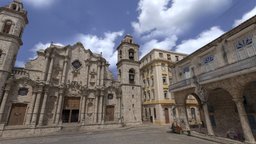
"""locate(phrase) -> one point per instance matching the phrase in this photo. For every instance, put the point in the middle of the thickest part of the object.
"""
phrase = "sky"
(177, 25)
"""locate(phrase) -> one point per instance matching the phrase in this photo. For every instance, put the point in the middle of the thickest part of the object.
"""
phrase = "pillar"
(100, 108)
(50, 70)
(207, 120)
(42, 113)
(59, 107)
(244, 121)
(31, 108)
(36, 108)
(96, 109)
(46, 64)
(83, 110)
(3, 103)
(64, 70)
(183, 120)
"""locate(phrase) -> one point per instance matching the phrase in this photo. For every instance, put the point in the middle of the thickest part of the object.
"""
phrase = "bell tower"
(129, 76)
(13, 20)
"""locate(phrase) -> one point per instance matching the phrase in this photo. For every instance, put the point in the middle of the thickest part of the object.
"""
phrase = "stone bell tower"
(13, 20)
(129, 76)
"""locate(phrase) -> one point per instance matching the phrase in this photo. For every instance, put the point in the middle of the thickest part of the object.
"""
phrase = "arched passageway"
(195, 114)
(223, 114)
(249, 97)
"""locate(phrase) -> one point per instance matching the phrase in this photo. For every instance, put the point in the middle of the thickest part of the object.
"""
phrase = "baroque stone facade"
(63, 85)
(221, 76)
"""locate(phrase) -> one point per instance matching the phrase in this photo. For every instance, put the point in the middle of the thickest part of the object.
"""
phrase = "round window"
(76, 64)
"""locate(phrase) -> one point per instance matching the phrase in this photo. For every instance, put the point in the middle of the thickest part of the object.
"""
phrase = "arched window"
(131, 76)
(131, 54)
(193, 113)
(7, 26)
(14, 6)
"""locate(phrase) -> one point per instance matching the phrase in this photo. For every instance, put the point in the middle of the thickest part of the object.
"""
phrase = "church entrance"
(17, 114)
(70, 113)
(110, 110)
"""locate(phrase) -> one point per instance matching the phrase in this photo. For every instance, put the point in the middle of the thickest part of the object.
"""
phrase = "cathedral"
(63, 85)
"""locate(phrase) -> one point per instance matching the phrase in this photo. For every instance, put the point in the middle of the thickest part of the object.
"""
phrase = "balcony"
(238, 68)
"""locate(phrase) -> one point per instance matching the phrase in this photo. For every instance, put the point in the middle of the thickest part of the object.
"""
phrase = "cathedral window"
(23, 91)
(76, 64)
(110, 96)
(7, 26)
(131, 76)
(131, 54)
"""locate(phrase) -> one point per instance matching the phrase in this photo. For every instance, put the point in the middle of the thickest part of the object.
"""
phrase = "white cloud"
(40, 3)
(20, 63)
(166, 44)
(161, 18)
(104, 45)
(41, 46)
(191, 45)
(245, 17)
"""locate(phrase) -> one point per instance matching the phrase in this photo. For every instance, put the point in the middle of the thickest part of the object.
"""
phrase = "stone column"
(96, 109)
(6, 93)
(183, 120)
(64, 70)
(50, 69)
(42, 113)
(100, 108)
(83, 110)
(36, 108)
(207, 120)
(46, 64)
(31, 108)
(58, 114)
(244, 121)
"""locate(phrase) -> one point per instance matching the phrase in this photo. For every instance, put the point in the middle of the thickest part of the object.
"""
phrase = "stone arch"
(223, 113)
(248, 94)
(192, 101)
(131, 54)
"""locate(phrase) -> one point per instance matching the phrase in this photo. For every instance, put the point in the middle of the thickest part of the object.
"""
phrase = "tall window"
(1, 53)
(131, 54)
(186, 72)
(155, 113)
(131, 76)
(177, 58)
(120, 54)
(7, 26)
(161, 55)
(165, 94)
(168, 56)
(164, 80)
(193, 113)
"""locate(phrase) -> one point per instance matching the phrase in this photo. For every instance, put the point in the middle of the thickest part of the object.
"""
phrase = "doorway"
(70, 113)
(17, 114)
(166, 114)
(110, 110)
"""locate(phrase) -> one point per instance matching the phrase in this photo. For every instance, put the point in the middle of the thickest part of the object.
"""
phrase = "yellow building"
(158, 103)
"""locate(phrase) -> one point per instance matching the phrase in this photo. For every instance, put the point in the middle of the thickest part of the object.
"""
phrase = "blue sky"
(178, 25)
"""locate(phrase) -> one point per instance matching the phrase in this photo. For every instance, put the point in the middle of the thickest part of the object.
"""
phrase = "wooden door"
(110, 110)
(166, 113)
(17, 114)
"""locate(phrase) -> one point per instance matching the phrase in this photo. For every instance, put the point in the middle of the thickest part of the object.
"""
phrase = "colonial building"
(158, 102)
(63, 85)
(222, 77)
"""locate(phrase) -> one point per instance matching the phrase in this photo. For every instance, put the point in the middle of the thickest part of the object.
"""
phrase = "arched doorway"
(223, 114)
(249, 94)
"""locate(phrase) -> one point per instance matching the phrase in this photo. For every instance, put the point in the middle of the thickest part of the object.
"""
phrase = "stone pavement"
(127, 135)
